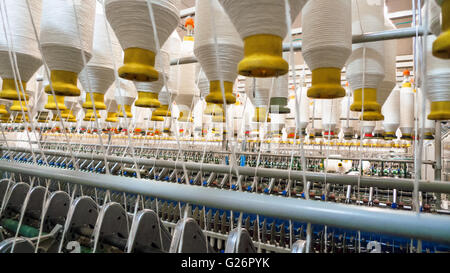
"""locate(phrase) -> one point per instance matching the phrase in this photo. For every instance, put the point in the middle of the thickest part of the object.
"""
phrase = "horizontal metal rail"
(287, 154)
(356, 39)
(424, 226)
(364, 181)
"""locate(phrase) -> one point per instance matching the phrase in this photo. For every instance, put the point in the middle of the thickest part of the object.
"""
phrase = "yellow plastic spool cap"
(370, 100)
(162, 111)
(98, 101)
(127, 111)
(18, 106)
(261, 115)
(138, 65)
(147, 100)
(156, 118)
(9, 90)
(439, 110)
(89, 115)
(372, 115)
(19, 118)
(263, 57)
(64, 83)
(51, 105)
(441, 46)
(65, 113)
(3, 110)
(184, 117)
(215, 92)
(112, 117)
(213, 109)
(326, 84)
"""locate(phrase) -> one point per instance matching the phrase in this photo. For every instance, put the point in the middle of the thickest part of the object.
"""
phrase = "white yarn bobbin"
(280, 92)
(131, 22)
(434, 17)
(406, 105)
(98, 75)
(365, 67)
(262, 26)
(148, 91)
(391, 113)
(438, 83)
(61, 44)
(331, 111)
(218, 60)
(163, 109)
(258, 91)
(277, 123)
(125, 97)
(21, 41)
(390, 67)
(326, 44)
(429, 125)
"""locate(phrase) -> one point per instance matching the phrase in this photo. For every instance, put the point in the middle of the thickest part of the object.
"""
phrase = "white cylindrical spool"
(304, 104)
(368, 126)
(390, 67)
(186, 88)
(346, 123)
(203, 84)
(258, 89)
(365, 67)
(21, 40)
(406, 105)
(316, 114)
(98, 75)
(126, 94)
(429, 124)
(216, 39)
(174, 46)
(253, 17)
(434, 17)
(438, 83)
(277, 122)
(391, 112)
(331, 111)
(60, 40)
(130, 19)
(326, 44)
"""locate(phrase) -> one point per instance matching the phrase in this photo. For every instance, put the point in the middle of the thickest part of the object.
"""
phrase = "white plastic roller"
(258, 91)
(331, 111)
(406, 105)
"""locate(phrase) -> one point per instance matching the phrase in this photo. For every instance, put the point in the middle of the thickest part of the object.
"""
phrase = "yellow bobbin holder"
(389, 135)
(138, 65)
(4, 118)
(215, 92)
(260, 115)
(185, 117)
(18, 106)
(371, 115)
(112, 117)
(89, 115)
(370, 100)
(3, 110)
(98, 101)
(263, 57)
(19, 118)
(162, 111)
(9, 90)
(441, 46)
(213, 109)
(156, 118)
(65, 114)
(147, 100)
(51, 104)
(439, 110)
(127, 111)
(64, 83)
(326, 83)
